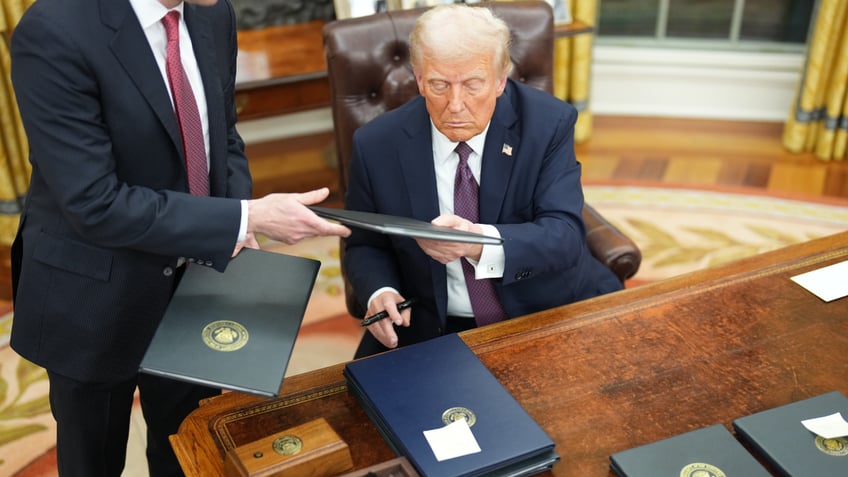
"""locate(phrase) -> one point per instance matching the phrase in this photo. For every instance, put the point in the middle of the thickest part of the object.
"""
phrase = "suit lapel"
(499, 156)
(132, 50)
(415, 155)
(203, 44)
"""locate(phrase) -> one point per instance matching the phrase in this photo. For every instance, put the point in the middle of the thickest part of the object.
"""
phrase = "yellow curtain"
(573, 65)
(14, 166)
(818, 120)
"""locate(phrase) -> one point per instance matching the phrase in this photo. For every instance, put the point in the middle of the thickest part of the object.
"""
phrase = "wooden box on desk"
(312, 449)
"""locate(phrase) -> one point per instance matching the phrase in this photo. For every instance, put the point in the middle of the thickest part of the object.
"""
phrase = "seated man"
(471, 125)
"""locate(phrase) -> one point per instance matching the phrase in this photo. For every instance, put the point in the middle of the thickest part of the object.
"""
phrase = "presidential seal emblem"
(225, 335)
(287, 445)
(455, 413)
(699, 469)
(837, 447)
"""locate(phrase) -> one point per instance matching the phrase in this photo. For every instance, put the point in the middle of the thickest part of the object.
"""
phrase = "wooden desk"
(281, 70)
(606, 374)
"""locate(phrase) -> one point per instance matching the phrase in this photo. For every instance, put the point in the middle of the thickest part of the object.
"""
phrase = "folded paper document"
(828, 283)
(783, 438)
(404, 226)
(234, 330)
(709, 451)
(417, 395)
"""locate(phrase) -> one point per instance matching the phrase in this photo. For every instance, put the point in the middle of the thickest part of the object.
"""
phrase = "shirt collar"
(150, 12)
(444, 147)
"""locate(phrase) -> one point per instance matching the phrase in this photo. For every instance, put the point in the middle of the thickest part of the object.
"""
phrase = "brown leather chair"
(369, 73)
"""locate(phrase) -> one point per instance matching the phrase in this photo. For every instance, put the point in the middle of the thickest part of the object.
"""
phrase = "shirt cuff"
(492, 259)
(374, 295)
(242, 234)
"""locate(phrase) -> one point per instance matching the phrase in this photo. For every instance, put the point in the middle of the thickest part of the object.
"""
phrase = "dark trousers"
(93, 421)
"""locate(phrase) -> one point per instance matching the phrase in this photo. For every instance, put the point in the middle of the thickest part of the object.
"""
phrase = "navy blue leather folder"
(790, 447)
(234, 330)
(709, 451)
(408, 390)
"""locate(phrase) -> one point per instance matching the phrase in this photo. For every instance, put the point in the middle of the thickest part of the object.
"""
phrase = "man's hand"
(285, 217)
(384, 330)
(443, 251)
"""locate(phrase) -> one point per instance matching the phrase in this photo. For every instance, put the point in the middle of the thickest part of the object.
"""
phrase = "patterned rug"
(678, 231)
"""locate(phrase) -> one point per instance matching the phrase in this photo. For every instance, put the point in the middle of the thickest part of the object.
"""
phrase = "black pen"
(384, 314)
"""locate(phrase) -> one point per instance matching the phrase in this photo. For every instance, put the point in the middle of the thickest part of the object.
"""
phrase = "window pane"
(777, 20)
(628, 18)
(699, 18)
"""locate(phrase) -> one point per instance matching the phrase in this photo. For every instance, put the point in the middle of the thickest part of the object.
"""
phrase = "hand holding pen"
(385, 314)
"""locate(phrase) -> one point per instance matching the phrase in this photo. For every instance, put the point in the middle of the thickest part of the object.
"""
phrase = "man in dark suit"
(405, 163)
(110, 218)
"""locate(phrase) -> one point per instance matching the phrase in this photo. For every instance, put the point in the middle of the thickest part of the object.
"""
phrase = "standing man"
(137, 168)
(482, 153)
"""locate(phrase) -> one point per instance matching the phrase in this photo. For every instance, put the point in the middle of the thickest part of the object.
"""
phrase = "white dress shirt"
(150, 14)
(491, 264)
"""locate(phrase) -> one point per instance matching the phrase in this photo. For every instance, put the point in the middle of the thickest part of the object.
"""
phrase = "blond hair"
(460, 32)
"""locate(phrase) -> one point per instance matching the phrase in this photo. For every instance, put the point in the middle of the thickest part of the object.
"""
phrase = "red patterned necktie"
(185, 106)
(484, 301)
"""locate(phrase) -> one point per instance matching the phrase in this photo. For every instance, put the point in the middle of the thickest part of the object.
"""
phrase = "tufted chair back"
(369, 74)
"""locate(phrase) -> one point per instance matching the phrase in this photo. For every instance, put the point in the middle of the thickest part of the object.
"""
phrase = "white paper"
(828, 283)
(453, 440)
(829, 427)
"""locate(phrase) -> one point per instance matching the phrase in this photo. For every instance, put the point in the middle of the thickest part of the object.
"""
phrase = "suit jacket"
(108, 214)
(532, 194)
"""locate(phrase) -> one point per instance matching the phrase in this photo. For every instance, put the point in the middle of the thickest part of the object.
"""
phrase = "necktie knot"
(464, 151)
(171, 21)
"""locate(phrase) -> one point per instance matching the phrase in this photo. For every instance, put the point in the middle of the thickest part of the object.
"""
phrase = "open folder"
(404, 226)
(234, 330)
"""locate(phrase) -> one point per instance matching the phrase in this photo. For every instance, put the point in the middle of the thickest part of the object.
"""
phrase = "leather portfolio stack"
(778, 435)
(428, 386)
(710, 451)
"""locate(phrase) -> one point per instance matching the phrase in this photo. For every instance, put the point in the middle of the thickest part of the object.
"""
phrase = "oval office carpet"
(678, 231)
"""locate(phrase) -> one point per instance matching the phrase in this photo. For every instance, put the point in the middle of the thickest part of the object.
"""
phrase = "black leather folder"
(403, 226)
(790, 447)
(409, 390)
(708, 451)
(234, 330)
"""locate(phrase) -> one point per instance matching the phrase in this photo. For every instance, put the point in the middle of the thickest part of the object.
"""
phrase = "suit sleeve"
(546, 234)
(368, 260)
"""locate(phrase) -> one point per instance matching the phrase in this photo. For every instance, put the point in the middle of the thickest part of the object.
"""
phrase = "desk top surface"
(280, 54)
(606, 374)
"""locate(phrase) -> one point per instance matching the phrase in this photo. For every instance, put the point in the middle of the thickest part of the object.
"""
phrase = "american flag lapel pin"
(507, 150)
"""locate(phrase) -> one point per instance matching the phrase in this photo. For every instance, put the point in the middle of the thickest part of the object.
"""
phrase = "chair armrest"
(610, 246)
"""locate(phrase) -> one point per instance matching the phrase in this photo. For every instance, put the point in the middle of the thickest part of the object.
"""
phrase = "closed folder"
(707, 451)
(412, 389)
(778, 435)
(234, 330)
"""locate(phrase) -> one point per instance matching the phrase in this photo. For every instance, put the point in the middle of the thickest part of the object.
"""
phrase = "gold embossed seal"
(700, 469)
(225, 335)
(836, 447)
(455, 413)
(287, 445)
